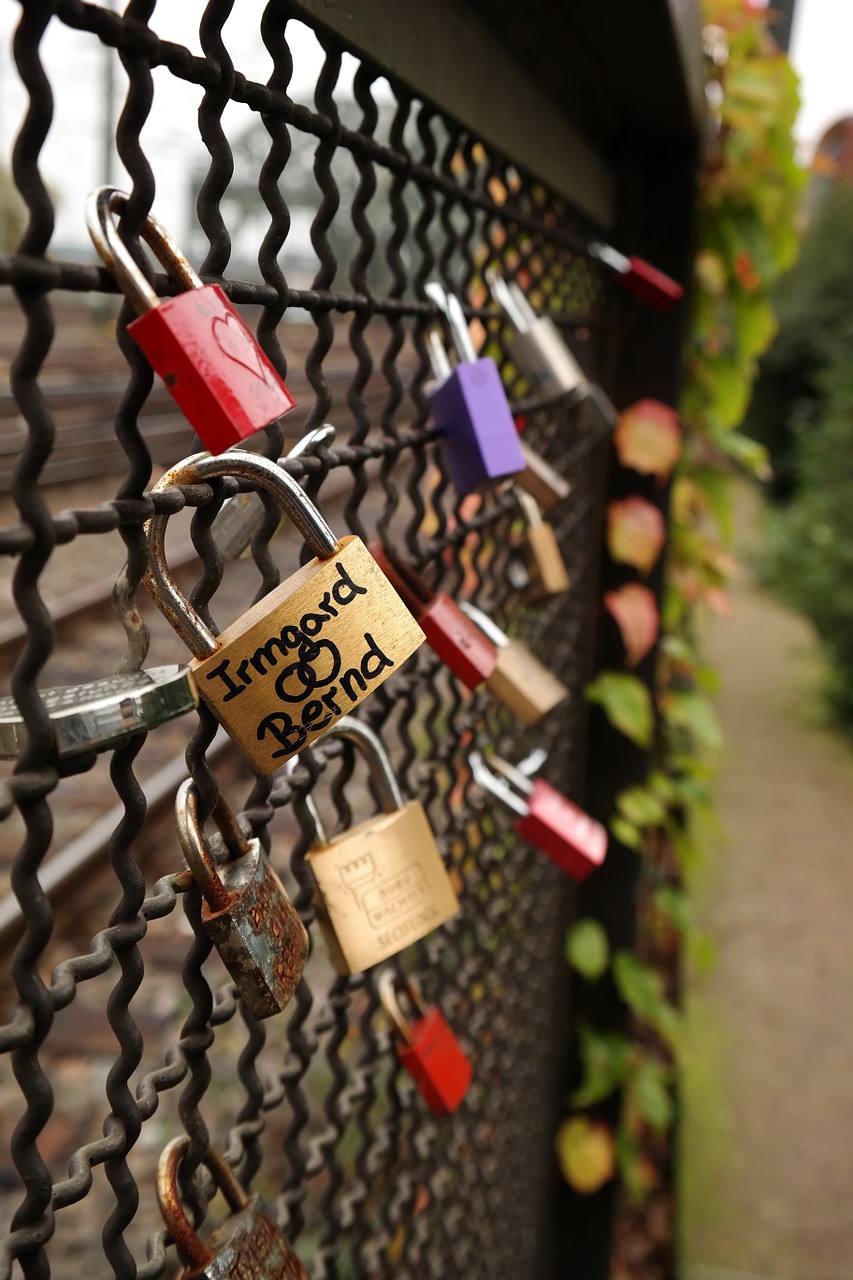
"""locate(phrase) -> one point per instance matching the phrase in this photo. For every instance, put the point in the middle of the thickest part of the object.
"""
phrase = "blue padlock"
(479, 439)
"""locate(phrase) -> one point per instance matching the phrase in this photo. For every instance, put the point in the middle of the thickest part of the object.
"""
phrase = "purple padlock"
(479, 439)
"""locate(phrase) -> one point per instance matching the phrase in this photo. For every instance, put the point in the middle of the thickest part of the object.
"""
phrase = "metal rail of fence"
(311, 1108)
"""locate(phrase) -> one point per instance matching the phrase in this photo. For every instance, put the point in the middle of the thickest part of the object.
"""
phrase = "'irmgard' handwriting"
(307, 670)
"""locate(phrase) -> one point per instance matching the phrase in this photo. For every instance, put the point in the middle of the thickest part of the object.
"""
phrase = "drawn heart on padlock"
(235, 343)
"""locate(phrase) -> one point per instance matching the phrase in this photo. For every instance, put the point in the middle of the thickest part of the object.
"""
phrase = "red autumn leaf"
(635, 532)
(636, 613)
(648, 438)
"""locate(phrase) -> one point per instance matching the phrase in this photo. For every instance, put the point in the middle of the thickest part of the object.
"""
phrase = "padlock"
(305, 654)
(546, 361)
(541, 480)
(639, 277)
(235, 523)
(427, 1048)
(102, 713)
(542, 554)
(248, 1245)
(209, 360)
(246, 912)
(382, 884)
(457, 640)
(520, 681)
(478, 438)
(546, 819)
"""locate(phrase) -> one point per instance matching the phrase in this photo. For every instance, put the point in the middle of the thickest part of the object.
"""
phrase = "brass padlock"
(520, 681)
(542, 554)
(382, 884)
(305, 654)
(246, 912)
(248, 1245)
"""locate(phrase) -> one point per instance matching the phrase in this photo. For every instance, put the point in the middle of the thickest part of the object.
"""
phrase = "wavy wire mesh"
(311, 1107)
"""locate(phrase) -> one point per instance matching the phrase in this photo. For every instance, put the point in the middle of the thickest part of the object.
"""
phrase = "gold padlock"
(520, 681)
(307, 653)
(382, 884)
(542, 554)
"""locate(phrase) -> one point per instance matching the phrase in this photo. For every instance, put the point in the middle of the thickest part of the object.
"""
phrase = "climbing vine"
(746, 219)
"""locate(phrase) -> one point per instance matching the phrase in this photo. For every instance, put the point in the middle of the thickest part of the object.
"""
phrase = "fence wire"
(310, 1108)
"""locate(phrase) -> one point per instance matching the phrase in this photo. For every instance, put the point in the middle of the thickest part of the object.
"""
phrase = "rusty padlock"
(478, 438)
(546, 818)
(520, 681)
(306, 653)
(209, 360)
(542, 554)
(457, 640)
(427, 1048)
(382, 884)
(246, 912)
(248, 1245)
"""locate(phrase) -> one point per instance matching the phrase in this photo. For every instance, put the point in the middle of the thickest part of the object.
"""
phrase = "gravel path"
(767, 1153)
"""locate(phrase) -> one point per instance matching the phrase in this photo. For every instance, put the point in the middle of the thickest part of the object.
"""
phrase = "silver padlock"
(235, 524)
(544, 358)
(102, 713)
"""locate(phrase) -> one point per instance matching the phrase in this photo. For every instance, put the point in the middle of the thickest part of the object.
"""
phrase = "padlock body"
(214, 369)
(562, 831)
(458, 641)
(653, 286)
(305, 655)
(545, 564)
(381, 886)
(524, 684)
(259, 936)
(546, 361)
(249, 1246)
(541, 480)
(436, 1063)
(479, 440)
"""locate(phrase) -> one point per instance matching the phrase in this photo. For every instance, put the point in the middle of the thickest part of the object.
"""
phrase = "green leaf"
(641, 806)
(626, 833)
(606, 1059)
(627, 704)
(649, 1094)
(586, 1152)
(749, 454)
(587, 949)
(675, 905)
(695, 714)
(641, 987)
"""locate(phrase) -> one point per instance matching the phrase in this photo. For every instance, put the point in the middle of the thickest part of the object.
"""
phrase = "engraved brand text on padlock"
(542, 554)
(103, 713)
(248, 1245)
(246, 912)
(457, 640)
(478, 438)
(382, 884)
(520, 681)
(546, 819)
(427, 1048)
(308, 652)
(214, 369)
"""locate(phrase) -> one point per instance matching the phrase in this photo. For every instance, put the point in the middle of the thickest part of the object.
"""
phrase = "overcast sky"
(72, 158)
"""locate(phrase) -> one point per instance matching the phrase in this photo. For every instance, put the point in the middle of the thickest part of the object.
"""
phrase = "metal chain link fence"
(311, 1107)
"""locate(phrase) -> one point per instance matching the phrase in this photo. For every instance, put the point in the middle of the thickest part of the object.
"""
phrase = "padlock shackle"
(489, 628)
(437, 352)
(235, 523)
(198, 857)
(513, 301)
(102, 207)
(530, 509)
(170, 600)
(497, 786)
(186, 1241)
(389, 995)
(610, 257)
(458, 325)
(381, 770)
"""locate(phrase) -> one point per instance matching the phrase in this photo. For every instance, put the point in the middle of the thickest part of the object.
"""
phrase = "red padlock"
(640, 277)
(457, 640)
(428, 1049)
(547, 819)
(214, 369)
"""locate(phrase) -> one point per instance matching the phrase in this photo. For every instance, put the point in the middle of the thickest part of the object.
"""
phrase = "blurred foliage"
(815, 312)
(748, 199)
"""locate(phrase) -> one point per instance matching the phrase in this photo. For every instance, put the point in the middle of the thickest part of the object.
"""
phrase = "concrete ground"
(767, 1134)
